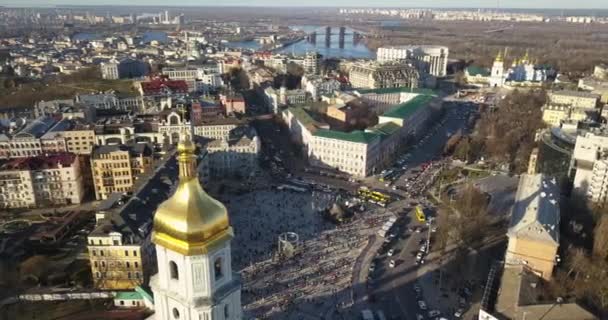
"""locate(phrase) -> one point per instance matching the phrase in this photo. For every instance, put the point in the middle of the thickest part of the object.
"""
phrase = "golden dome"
(190, 221)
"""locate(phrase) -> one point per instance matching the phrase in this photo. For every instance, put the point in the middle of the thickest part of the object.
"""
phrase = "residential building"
(233, 103)
(575, 99)
(589, 148)
(198, 78)
(516, 292)
(555, 114)
(518, 288)
(216, 127)
(234, 154)
(116, 255)
(317, 86)
(192, 234)
(260, 76)
(279, 98)
(77, 135)
(388, 75)
(534, 229)
(124, 69)
(115, 167)
(109, 70)
(431, 60)
(53, 179)
(596, 83)
(312, 63)
(26, 141)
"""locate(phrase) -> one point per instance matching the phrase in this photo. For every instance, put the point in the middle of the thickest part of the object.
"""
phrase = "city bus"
(420, 214)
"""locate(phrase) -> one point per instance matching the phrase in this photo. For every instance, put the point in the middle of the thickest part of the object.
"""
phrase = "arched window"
(217, 267)
(175, 312)
(173, 270)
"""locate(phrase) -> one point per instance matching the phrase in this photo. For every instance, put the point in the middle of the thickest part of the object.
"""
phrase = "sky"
(543, 4)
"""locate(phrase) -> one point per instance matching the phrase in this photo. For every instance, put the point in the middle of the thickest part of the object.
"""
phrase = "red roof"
(51, 161)
(156, 86)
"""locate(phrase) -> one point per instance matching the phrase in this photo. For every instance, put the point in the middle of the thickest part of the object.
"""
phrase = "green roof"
(303, 116)
(386, 128)
(354, 136)
(397, 90)
(128, 295)
(475, 70)
(406, 109)
(144, 293)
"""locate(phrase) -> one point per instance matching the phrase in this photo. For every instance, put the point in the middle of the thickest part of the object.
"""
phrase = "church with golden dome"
(192, 235)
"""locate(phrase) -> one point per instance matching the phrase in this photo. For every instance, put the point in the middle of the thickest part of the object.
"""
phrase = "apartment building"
(116, 258)
(26, 141)
(589, 149)
(431, 60)
(317, 86)
(53, 179)
(77, 135)
(115, 167)
(575, 99)
(534, 229)
(216, 127)
(234, 154)
(387, 75)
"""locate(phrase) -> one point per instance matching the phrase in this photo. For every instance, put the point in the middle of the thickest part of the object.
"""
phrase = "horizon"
(388, 4)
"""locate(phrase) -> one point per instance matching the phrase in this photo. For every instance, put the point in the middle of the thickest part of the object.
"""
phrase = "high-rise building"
(192, 236)
(431, 60)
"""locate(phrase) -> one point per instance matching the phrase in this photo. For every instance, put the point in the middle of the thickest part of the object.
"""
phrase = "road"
(393, 288)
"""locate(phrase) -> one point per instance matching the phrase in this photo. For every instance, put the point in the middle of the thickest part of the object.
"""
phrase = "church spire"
(186, 157)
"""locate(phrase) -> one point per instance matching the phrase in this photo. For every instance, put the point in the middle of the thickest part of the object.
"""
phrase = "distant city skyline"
(539, 4)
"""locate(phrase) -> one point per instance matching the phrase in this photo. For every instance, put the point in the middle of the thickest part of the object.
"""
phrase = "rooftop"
(157, 85)
(354, 136)
(535, 213)
(397, 90)
(574, 93)
(49, 161)
(522, 296)
(135, 149)
(406, 109)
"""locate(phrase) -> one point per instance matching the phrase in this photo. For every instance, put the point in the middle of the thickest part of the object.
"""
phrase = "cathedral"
(192, 236)
(523, 72)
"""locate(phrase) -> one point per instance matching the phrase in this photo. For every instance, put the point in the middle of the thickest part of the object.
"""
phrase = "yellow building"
(115, 167)
(534, 230)
(78, 136)
(117, 260)
(553, 115)
(577, 99)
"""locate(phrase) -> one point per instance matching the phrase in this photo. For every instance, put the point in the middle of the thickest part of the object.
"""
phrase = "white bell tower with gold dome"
(192, 236)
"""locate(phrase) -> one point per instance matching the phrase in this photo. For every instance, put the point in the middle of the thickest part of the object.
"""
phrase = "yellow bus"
(420, 214)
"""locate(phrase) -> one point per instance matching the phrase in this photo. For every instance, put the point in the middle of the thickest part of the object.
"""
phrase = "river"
(331, 49)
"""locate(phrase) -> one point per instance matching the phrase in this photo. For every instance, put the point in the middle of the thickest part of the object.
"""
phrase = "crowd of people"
(315, 278)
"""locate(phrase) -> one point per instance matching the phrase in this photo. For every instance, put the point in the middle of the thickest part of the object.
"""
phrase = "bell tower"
(192, 236)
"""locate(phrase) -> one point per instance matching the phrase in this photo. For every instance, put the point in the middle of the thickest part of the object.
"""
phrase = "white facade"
(497, 76)
(109, 71)
(193, 287)
(316, 86)
(431, 59)
(588, 150)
